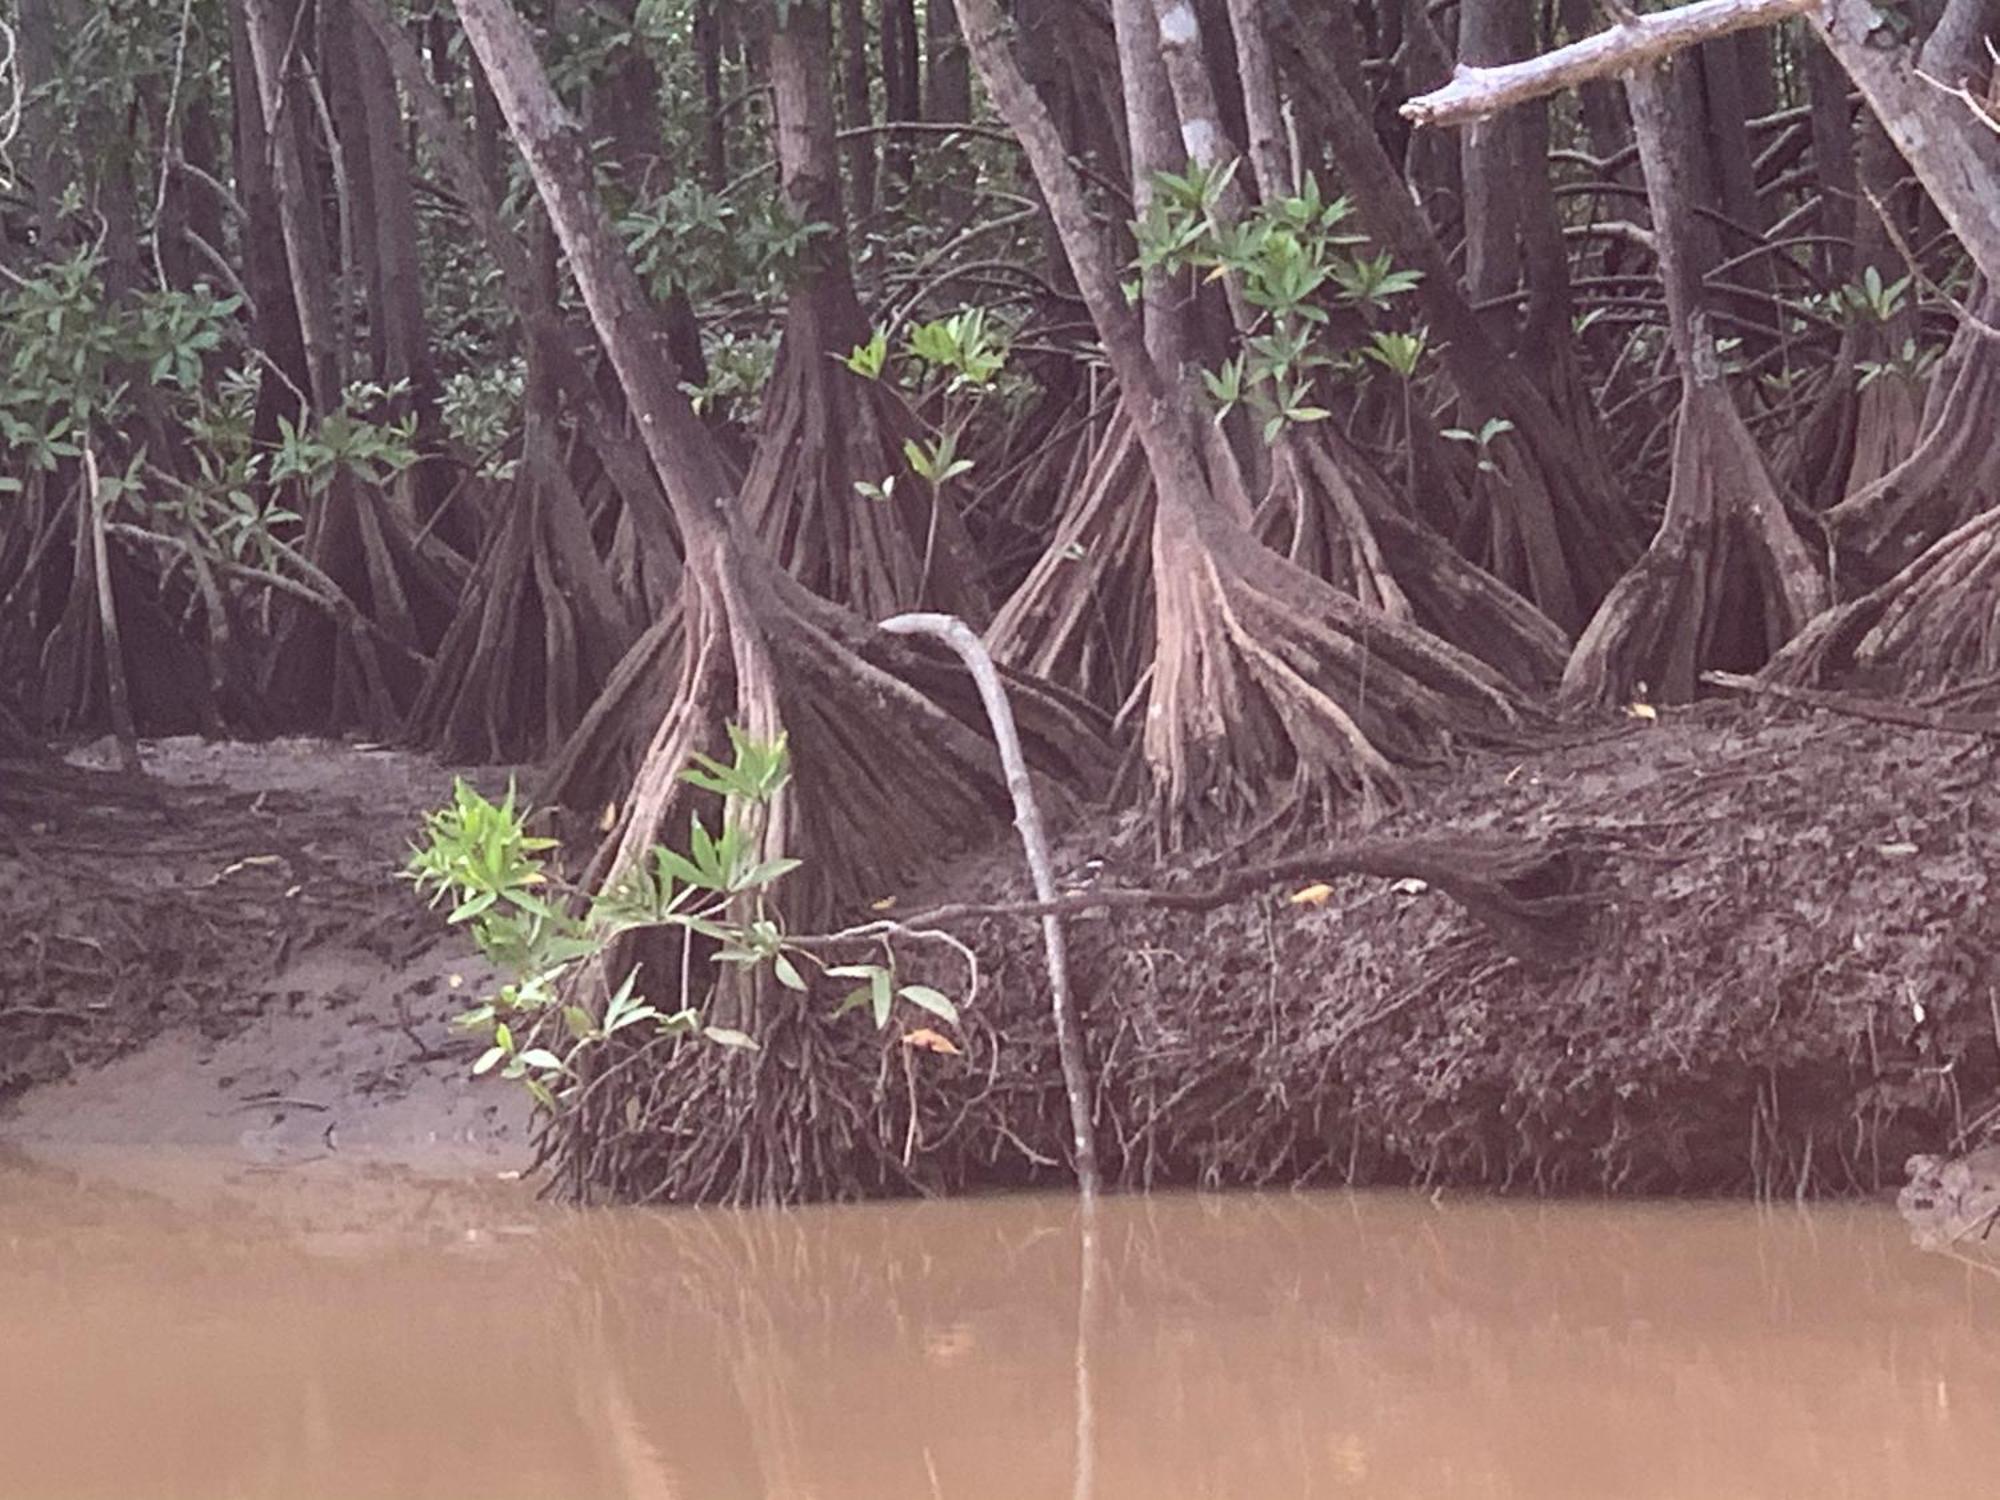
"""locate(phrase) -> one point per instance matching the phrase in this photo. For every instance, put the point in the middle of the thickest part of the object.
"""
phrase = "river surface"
(281, 1335)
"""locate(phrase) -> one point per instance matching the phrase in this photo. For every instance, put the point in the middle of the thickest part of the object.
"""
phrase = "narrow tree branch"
(956, 634)
(1476, 93)
(1528, 892)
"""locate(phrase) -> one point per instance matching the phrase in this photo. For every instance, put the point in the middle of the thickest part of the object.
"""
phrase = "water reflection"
(347, 1337)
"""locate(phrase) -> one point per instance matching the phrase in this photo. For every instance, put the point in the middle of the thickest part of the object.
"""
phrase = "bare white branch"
(1476, 93)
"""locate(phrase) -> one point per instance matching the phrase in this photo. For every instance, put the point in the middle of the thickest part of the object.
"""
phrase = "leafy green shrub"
(478, 857)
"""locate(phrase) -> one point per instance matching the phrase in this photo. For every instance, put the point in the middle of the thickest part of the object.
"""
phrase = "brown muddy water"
(279, 1335)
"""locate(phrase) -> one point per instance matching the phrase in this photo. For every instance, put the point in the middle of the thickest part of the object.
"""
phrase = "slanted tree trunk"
(890, 770)
(1727, 580)
(1271, 691)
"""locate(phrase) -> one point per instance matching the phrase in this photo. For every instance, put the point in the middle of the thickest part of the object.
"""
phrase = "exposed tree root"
(1726, 581)
(1854, 436)
(1084, 615)
(540, 626)
(1953, 472)
(1336, 517)
(597, 763)
(1933, 628)
(84, 650)
(824, 431)
(328, 671)
(1273, 691)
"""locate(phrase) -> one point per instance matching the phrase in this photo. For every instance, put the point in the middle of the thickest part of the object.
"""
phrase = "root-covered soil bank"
(1792, 981)
(1789, 981)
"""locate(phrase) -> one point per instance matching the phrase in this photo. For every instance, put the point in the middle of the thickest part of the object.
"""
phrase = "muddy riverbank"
(1788, 982)
(221, 961)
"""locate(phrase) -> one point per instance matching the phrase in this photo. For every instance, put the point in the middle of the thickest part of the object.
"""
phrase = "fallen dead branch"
(1530, 893)
(1859, 706)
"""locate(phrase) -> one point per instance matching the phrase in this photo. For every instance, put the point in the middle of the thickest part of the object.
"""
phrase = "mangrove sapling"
(710, 898)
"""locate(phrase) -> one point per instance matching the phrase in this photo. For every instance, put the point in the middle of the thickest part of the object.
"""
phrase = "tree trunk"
(1270, 691)
(948, 71)
(902, 85)
(825, 431)
(396, 285)
(715, 129)
(287, 382)
(857, 108)
(1494, 153)
(305, 241)
(889, 771)
(1727, 580)
(47, 167)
